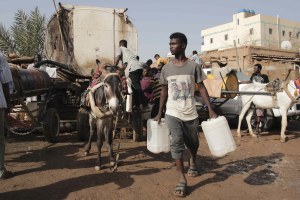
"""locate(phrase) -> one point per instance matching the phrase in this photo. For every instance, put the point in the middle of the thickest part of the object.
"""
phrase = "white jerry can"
(158, 136)
(129, 103)
(218, 136)
(129, 96)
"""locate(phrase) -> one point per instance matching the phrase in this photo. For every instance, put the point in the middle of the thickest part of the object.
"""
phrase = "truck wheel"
(83, 127)
(51, 125)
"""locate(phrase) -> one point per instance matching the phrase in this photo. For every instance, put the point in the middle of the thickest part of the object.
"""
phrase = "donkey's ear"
(98, 61)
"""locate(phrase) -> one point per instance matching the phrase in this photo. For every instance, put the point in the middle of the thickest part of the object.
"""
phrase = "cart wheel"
(51, 125)
(83, 127)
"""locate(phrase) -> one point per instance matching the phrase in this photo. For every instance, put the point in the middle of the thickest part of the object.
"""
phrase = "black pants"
(138, 94)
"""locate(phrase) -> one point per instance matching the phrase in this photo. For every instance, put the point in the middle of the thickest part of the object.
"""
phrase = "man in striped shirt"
(5, 90)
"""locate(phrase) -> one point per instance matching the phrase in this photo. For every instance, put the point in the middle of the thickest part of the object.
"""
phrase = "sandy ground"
(260, 168)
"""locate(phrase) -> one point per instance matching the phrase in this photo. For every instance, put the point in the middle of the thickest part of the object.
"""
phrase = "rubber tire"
(83, 127)
(51, 125)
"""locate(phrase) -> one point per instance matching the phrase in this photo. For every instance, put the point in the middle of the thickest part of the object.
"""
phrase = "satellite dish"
(286, 45)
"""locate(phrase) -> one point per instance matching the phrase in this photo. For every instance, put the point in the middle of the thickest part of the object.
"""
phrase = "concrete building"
(276, 62)
(250, 29)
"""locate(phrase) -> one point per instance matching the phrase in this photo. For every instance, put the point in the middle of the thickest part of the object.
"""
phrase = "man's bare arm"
(205, 97)
(118, 58)
(162, 102)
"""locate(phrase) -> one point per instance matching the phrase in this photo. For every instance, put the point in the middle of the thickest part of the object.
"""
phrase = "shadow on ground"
(262, 177)
(61, 189)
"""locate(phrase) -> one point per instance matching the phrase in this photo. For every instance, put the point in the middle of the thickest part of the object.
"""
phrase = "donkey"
(105, 98)
(283, 100)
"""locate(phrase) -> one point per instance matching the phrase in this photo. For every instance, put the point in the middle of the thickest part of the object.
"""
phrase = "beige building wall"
(276, 62)
(252, 29)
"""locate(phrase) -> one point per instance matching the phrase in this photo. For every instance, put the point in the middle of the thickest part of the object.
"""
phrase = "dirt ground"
(260, 168)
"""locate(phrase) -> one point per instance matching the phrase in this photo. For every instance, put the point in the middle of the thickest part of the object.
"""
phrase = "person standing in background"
(196, 58)
(257, 76)
(160, 61)
(6, 87)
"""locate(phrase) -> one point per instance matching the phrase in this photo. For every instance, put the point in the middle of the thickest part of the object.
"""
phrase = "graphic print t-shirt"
(181, 82)
(260, 78)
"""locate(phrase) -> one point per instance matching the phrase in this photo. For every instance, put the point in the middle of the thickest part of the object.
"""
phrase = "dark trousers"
(138, 94)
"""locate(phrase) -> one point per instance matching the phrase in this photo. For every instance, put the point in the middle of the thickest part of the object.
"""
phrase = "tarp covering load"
(78, 35)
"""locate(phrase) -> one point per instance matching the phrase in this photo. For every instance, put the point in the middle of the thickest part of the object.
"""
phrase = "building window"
(202, 43)
(298, 34)
(226, 36)
(211, 40)
(290, 34)
(251, 31)
(283, 33)
(270, 31)
(238, 21)
(238, 41)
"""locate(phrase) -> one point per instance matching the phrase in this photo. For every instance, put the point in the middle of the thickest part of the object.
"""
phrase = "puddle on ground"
(246, 166)
(263, 177)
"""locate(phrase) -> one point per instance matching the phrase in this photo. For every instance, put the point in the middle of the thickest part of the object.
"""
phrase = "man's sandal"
(180, 189)
(192, 172)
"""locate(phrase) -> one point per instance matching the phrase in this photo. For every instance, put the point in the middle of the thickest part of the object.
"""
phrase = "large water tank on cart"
(78, 35)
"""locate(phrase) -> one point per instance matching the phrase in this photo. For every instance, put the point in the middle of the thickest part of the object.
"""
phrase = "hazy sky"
(156, 20)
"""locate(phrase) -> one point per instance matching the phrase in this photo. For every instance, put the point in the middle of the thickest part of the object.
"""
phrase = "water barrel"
(218, 136)
(17, 83)
(37, 78)
(231, 84)
(30, 81)
(158, 139)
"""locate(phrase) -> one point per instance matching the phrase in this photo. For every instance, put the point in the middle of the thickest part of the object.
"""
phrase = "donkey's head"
(112, 88)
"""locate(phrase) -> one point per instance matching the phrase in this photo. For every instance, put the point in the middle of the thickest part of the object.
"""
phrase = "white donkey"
(283, 100)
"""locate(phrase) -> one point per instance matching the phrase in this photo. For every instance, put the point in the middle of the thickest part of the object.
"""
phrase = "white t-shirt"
(196, 58)
(181, 82)
(132, 62)
(5, 77)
